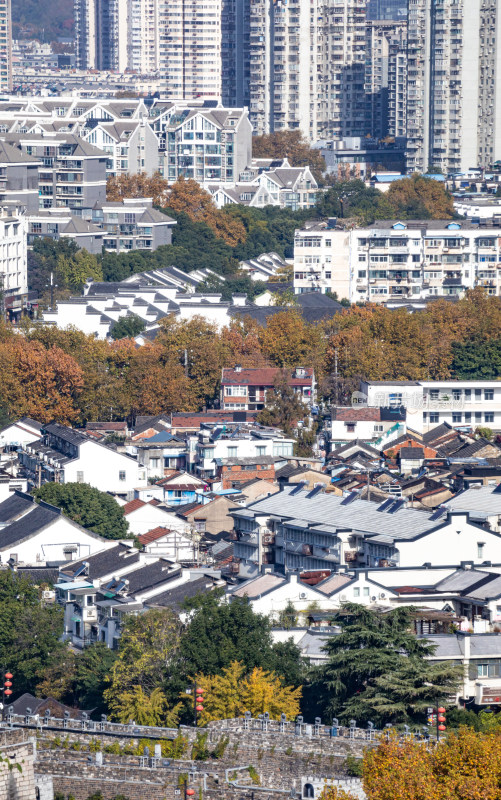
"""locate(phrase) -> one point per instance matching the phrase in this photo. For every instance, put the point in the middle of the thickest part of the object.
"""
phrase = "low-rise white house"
(144, 517)
(64, 455)
(379, 425)
(38, 533)
(468, 404)
(19, 433)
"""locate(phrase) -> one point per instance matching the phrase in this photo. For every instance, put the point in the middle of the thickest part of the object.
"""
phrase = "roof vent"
(238, 368)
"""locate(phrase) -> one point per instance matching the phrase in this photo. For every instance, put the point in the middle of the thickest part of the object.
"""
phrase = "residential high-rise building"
(283, 65)
(5, 46)
(235, 43)
(454, 84)
(386, 78)
(341, 69)
(101, 34)
(190, 48)
(387, 9)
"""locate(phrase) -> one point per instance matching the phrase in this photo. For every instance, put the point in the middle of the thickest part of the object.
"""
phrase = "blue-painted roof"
(163, 436)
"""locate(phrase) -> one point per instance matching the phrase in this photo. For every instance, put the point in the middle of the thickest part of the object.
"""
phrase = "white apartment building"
(469, 404)
(341, 68)
(13, 258)
(454, 84)
(397, 260)
(5, 46)
(190, 48)
(283, 60)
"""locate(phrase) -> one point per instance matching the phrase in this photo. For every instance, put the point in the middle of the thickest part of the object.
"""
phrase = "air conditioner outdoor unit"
(374, 598)
(382, 595)
(302, 596)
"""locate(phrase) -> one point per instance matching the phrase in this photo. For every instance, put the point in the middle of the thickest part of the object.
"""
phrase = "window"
(467, 394)
(489, 417)
(457, 418)
(433, 416)
(232, 452)
(434, 394)
(456, 394)
(121, 475)
(80, 477)
(378, 428)
(480, 549)
(261, 451)
(200, 525)
(356, 592)
(467, 416)
(478, 394)
(489, 394)
(478, 416)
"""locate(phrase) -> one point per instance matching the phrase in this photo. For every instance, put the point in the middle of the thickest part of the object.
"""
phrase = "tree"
(29, 632)
(87, 506)
(377, 669)
(143, 708)
(290, 144)
(76, 270)
(127, 327)
(419, 197)
(287, 618)
(466, 766)
(38, 382)
(219, 633)
(476, 360)
(236, 691)
(284, 407)
(144, 666)
(484, 433)
(119, 187)
(187, 196)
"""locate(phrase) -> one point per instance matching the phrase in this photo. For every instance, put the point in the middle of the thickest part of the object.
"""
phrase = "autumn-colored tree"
(290, 144)
(188, 197)
(466, 766)
(145, 709)
(284, 408)
(289, 341)
(38, 382)
(234, 692)
(120, 187)
(146, 655)
(420, 197)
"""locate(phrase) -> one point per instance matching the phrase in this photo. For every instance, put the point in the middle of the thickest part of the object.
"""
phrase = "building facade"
(386, 78)
(454, 85)
(397, 260)
(5, 46)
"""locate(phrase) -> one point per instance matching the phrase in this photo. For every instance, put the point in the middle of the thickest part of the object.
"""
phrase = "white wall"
(101, 468)
(457, 541)
(49, 543)
(147, 517)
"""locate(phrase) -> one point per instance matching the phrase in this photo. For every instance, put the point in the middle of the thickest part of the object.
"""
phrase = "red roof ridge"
(155, 533)
(133, 505)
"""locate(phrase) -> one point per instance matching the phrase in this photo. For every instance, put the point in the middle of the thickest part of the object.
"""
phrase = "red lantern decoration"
(9, 675)
(441, 718)
(441, 710)
(190, 792)
(200, 708)
(441, 727)
(8, 691)
(8, 684)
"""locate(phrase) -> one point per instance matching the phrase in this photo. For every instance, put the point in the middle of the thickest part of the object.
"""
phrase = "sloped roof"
(262, 376)
(153, 535)
(133, 505)
(260, 585)
(104, 562)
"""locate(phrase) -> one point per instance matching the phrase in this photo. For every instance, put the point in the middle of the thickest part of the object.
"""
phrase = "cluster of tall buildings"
(426, 70)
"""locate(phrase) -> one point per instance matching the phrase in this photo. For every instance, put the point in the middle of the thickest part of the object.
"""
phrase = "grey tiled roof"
(15, 505)
(105, 562)
(358, 515)
(27, 526)
(482, 499)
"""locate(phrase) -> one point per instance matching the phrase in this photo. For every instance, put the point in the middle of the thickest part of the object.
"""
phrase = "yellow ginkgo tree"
(235, 692)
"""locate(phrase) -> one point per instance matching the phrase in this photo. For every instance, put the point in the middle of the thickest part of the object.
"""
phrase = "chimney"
(238, 368)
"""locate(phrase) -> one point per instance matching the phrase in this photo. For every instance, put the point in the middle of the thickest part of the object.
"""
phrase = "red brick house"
(245, 389)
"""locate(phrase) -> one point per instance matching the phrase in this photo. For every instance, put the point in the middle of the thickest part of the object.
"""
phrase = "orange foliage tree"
(119, 187)
(38, 382)
(188, 197)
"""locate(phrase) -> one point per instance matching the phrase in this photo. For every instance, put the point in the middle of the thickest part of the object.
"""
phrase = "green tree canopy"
(476, 360)
(219, 633)
(127, 327)
(87, 506)
(283, 408)
(29, 632)
(377, 669)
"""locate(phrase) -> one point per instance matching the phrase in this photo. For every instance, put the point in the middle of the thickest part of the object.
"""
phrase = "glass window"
(433, 416)
(121, 475)
(232, 452)
(480, 549)
(489, 417)
(489, 394)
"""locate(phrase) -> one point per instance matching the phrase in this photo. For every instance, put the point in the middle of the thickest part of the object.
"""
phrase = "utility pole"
(51, 291)
(336, 398)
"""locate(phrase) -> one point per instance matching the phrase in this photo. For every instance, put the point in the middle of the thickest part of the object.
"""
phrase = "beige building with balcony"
(397, 260)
